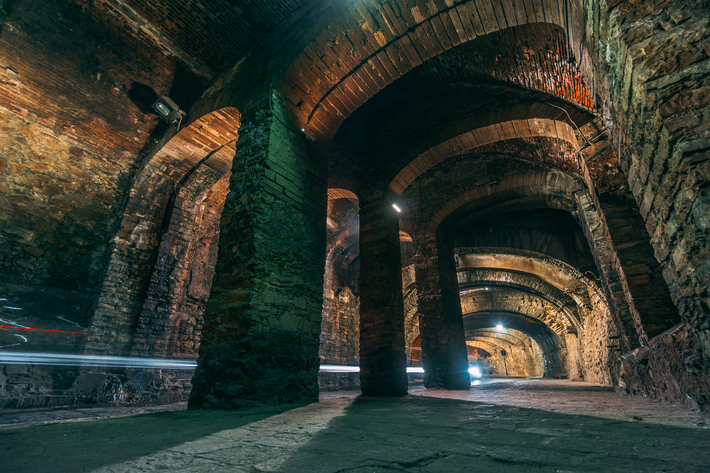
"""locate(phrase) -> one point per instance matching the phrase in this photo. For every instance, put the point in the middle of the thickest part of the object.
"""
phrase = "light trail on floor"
(59, 359)
(86, 361)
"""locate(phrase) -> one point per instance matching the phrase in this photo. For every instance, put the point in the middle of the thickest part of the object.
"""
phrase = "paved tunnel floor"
(515, 425)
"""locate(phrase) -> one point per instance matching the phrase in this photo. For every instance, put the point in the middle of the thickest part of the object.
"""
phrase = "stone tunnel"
(364, 195)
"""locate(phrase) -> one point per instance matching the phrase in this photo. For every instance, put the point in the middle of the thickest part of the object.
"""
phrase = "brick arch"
(509, 332)
(512, 300)
(552, 346)
(492, 342)
(371, 45)
(466, 142)
(524, 361)
(195, 159)
(337, 193)
(171, 320)
(491, 335)
(488, 277)
(548, 182)
(594, 308)
(558, 274)
(339, 337)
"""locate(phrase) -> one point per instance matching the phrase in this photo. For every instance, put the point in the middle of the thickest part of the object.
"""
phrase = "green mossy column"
(262, 323)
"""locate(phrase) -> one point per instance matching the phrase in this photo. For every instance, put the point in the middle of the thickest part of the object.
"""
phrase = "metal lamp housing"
(169, 110)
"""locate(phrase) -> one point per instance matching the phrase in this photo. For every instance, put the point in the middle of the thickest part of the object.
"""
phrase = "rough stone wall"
(667, 369)
(34, 386)
(75, 124)
(188, 165)
(643, 273)
(198, 282)
(517, 362)
(173, 310)
(411, 313)
(599, 343)
(262, 323)
(650, 64)
(340, 331)
(171, 333)
(523, 355)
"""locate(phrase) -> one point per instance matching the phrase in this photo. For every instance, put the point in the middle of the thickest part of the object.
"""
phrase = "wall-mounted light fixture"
(396, 207)
(169, 110)
(500, 328)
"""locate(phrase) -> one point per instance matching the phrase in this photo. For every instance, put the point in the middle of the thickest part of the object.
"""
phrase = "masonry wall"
(75, 124)
(173, 312)
(650, 63)
(340, 326)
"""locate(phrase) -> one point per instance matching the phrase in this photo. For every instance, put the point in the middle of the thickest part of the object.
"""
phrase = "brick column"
(262, 322)
(441, 329)
(383, 363)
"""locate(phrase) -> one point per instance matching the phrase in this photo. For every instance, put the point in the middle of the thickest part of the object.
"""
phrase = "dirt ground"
(517, 425)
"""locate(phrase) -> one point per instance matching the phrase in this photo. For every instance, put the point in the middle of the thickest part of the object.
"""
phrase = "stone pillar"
(441, 329)
(383, 364)
(262, 322)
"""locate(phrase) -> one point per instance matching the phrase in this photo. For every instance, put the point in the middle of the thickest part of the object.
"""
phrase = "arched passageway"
(381, 173)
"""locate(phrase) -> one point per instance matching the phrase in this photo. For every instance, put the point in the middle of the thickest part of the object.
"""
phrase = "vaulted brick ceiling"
(212, 33)
(516, 74)
(373, 44)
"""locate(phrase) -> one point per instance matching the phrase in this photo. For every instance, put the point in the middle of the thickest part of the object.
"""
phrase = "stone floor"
(500, 425)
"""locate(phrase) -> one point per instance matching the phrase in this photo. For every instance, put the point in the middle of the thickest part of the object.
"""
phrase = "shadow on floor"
(416, 434)
(358, 435)
(80, 446)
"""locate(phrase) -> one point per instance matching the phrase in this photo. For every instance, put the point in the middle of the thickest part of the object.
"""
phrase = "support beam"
(382, 356)
(262, 323)
(440, 319)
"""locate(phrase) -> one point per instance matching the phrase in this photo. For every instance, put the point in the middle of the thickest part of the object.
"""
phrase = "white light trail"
(12, 323)
(59, 359)
(339, 369)
(67, 320)
(356, 369)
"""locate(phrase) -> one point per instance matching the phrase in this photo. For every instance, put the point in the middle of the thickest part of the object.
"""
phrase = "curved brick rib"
(466, 142)
(206, 146)
(526, 282)
(554, 272)
(514, 300)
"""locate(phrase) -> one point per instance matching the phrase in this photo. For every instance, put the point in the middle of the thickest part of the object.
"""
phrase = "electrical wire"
(586, 141)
